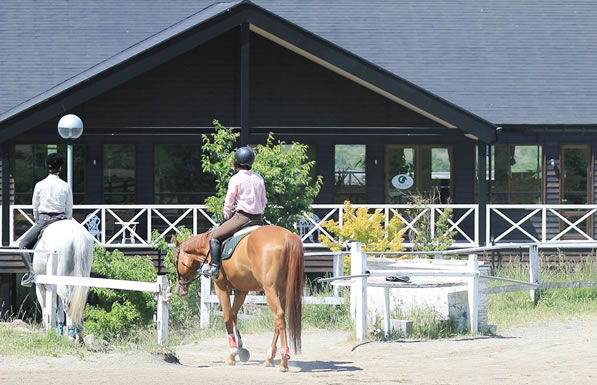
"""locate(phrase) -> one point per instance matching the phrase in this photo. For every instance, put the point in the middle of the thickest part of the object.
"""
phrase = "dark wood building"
(418, 89)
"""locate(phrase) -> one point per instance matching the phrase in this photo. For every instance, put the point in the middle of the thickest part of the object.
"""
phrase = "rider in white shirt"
(52, 201)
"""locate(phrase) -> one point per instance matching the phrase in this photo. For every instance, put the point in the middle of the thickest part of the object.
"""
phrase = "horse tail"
(83, 258)
(294, 288)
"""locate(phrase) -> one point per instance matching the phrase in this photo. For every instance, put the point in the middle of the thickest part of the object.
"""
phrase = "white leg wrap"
(271, 353)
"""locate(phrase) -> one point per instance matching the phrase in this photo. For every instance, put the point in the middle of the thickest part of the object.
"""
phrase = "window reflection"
(179, 177)
(30, 168)
(119, 173)
(350, 173)
(517, 173)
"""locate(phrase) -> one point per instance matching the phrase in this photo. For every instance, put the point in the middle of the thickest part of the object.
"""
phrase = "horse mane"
(195, 244)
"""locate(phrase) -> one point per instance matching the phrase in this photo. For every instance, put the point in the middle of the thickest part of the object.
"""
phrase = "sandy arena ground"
(553, 353)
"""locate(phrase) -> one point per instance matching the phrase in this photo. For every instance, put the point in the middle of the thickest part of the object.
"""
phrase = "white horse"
(74, 245)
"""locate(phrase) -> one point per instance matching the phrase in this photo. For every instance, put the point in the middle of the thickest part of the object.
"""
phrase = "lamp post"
(70, 127)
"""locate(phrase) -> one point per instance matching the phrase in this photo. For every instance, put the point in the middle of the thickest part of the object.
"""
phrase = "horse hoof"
(231, 361)
(268, 363)
(243, 354)
(283, 369)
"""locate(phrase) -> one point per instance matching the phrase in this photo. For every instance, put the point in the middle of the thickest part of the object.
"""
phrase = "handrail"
(132, 225)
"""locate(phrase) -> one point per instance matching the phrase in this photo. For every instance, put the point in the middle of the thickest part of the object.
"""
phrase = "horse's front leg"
(224, 297)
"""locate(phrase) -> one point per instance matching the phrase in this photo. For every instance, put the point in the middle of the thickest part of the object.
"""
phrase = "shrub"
(118, 312)
(360, 225)
(421, 238)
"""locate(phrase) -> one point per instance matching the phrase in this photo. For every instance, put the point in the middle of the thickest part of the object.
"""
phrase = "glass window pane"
(526, 173)
(576, 175)
(179, 177)
(399, 161)
(518, 174)
(350, 174)
(119, 173)
(30, 166)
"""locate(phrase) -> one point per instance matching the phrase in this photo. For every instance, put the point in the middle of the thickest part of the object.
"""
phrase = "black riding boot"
(27, 279)
(215, 249)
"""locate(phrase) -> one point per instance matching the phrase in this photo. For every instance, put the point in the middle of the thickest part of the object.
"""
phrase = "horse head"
(188, 259)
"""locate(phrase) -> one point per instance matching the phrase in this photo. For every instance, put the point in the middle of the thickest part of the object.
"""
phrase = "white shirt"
(52, 195)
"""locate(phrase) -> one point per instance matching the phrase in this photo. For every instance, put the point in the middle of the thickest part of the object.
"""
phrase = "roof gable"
(207, 24)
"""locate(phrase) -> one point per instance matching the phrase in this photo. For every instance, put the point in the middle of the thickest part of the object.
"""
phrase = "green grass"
(505, 310)
(37, 343)
(510, 310)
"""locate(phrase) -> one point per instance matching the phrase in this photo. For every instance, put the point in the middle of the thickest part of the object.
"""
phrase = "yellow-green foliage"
(359, 225)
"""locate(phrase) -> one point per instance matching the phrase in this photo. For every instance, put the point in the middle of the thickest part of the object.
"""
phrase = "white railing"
(541, 224)
(131, 226)
(464, 220)
(122, 226)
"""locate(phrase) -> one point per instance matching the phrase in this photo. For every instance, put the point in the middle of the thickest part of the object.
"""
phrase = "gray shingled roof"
(508, 61)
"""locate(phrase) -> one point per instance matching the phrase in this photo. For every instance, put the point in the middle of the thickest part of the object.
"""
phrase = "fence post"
(205, 306)
(473, 293)
(338, 270)
(534, 271)
(50, 310)
(358, 265)
(162, 316)
(386, 310)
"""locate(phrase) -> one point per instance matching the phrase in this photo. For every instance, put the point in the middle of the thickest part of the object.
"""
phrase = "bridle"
(179, 278)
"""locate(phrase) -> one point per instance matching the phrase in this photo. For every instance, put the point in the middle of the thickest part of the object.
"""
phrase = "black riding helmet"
(54, 161)
(244, 156)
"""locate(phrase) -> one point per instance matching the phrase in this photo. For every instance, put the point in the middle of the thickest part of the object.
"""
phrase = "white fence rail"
(208, 300)
(541, 223)
(131, 226)
(160, 288)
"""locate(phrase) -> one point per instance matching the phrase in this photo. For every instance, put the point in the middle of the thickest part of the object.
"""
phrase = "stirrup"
(212, 272)
(27, 279)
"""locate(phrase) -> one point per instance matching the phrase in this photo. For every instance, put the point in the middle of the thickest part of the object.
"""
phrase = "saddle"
(230, 244)
(56, 218)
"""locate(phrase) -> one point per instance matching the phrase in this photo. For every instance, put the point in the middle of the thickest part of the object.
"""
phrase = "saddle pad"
(231, 243)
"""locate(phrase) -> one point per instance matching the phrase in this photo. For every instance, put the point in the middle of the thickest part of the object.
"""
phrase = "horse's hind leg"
(239, 299)
(275, 305)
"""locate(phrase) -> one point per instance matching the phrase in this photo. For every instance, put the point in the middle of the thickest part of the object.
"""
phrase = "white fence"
(131, 226)
(360, 273)
(548, 224)
(208, 300)
(159, 288)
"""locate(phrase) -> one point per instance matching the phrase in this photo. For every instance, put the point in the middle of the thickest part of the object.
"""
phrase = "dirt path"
(553, 353)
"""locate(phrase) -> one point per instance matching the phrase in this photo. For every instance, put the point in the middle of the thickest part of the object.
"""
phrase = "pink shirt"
(247, 189)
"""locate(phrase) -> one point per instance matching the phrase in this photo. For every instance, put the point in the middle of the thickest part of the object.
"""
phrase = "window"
(350, 173)
(179, 177)
(30, 168)
(119, 173)
(429, 168)
(517, 173)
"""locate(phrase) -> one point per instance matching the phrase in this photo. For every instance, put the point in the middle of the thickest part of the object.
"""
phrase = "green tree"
(285, 168)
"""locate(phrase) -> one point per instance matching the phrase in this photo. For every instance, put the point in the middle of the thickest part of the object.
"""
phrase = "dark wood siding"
(289, 90)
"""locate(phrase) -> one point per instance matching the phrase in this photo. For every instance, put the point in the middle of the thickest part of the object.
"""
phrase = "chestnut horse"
(269, 259)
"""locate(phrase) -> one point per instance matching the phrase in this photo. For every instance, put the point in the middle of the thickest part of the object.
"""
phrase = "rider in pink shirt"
(246, 189)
